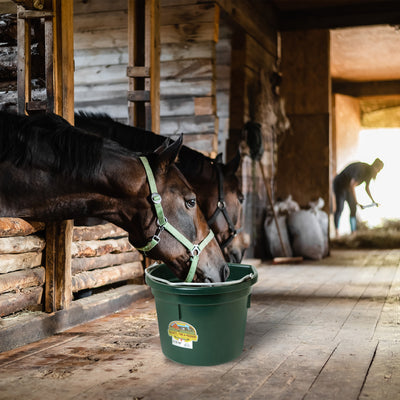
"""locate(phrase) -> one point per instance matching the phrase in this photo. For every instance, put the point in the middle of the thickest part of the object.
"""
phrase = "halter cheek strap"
(162, 223)
(221, 207)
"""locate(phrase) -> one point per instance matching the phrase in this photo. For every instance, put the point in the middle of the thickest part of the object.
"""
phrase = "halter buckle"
(156, 198)
(221, 204)
(195, 251)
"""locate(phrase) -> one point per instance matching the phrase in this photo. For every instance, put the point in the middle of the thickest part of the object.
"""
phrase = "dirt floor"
(316, 330)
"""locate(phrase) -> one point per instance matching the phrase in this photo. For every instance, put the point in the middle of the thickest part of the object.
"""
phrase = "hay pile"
(386, 236)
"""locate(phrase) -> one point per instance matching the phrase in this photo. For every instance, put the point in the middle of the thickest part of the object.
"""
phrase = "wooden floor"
(318, 330)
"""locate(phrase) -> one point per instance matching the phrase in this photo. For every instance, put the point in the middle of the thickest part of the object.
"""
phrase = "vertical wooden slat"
(59, 235)
(24, 62)
(144, 52)
(154, 64)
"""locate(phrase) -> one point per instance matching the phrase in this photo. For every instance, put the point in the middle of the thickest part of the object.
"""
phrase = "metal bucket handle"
(149, 269)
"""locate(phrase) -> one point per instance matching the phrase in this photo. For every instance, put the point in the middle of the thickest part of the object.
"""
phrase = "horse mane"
(49, 141)
(190, 162)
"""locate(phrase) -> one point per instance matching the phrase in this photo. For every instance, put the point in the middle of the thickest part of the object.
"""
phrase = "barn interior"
(312, 75)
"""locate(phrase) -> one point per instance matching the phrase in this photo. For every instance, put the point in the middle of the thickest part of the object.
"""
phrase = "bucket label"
(182, 334)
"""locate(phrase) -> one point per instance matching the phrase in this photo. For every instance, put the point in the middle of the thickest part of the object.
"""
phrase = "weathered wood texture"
(321, 330)
(304, 155)
(101, 256)
(18, 227)
(188, 78)
(23, 299)
(21, 274)
(101, 57)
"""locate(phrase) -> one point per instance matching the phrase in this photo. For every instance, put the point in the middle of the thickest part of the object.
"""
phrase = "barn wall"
(101, 57)
(303, 157)
(189, 32)
(347, 128)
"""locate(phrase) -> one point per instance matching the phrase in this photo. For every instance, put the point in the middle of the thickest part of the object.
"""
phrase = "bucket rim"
(249, 277)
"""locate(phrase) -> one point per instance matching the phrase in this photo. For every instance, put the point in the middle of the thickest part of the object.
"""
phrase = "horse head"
(172, 226)
(226, 220)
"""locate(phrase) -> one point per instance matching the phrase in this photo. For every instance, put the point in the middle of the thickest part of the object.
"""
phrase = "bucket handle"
(149, 269)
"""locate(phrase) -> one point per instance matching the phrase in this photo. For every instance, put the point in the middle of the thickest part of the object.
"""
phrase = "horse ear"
(162, 147)
(232, 166)
(218, 159)
(168, 155)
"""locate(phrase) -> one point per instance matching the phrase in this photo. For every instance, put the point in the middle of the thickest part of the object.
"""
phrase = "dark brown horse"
(216, 185)
(52, 171)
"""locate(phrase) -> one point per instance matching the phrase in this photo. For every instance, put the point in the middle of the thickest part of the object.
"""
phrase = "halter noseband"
(221, 207)
(162, 223)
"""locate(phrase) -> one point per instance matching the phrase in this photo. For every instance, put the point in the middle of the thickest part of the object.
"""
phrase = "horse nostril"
(225, 273)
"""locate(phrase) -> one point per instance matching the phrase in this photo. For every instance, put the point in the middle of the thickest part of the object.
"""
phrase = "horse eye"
(241, 198)
(190, 203)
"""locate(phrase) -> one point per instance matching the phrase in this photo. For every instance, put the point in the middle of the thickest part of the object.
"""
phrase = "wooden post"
(144, 63)
(58, 294)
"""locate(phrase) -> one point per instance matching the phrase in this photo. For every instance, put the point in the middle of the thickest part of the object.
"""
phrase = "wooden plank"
(93, 248)
(383, 379)
(363, 89)
(199, 68)
(98, 40)
(18, 227)
(88, 7)
(102, 73)
(20, 332)
(21, 300)
(101, 21)
(204, 105)
(58, 294)
(22, 279)
(343, 375)
(183, 33)
(154, 64)
(106, 276)
(177, 106)
(21, 244)
(195, 13)
(191, 50)
(139, 96)
(95, 57)
(195, 88)
(14, 262)
(106, 260)
(96, 232)
(138, 72)
(189, 124)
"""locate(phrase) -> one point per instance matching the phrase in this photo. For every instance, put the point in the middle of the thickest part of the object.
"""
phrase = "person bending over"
(344, 186)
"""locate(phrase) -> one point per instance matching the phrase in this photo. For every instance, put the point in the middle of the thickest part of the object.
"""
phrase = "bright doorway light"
(383, 143)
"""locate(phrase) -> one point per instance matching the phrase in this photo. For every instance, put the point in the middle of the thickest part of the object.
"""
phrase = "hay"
(386, 236)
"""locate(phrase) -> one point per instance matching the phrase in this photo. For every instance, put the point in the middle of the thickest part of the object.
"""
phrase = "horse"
(216, 185)
(52, 171)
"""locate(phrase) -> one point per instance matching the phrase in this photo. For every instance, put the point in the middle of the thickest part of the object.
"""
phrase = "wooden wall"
(101, 56)
(189, 32)
(345, 135)
(303, 158)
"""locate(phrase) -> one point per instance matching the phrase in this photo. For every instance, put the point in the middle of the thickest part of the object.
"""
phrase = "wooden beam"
(376, 13)
(58, 293)
(363, 89)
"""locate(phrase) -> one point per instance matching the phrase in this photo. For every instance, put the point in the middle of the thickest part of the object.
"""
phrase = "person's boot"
(353, 224)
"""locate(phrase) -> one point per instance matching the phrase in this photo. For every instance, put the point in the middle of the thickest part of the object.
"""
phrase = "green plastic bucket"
(201, 324)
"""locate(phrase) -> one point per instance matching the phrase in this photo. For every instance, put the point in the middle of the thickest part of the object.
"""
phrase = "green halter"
(162, 222)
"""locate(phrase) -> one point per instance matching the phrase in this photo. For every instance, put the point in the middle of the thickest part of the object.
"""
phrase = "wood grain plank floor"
(317, 330)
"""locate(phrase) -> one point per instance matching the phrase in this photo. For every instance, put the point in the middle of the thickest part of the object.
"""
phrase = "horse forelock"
(48, 141)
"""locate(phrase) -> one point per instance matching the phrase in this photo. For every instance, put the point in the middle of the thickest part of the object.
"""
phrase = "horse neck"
(54, 197)
(135, 139)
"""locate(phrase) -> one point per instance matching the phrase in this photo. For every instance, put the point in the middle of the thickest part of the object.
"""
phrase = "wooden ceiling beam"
(374, 13)
(365, 89)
